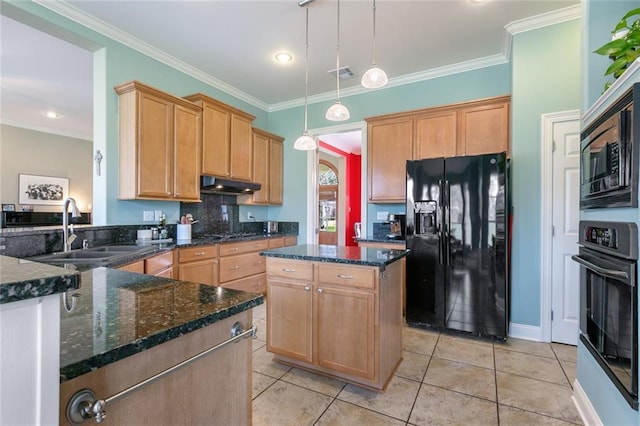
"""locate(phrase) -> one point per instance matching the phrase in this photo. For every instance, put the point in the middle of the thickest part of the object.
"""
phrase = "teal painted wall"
(544, 81)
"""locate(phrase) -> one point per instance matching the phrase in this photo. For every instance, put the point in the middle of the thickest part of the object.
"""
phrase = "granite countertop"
(339, 254)
(21, 279)
(109, 323)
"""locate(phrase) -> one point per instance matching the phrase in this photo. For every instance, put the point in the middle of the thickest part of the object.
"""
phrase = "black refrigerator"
(458, 236)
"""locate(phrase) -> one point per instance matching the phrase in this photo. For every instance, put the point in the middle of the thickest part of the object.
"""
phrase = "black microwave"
(609, 155)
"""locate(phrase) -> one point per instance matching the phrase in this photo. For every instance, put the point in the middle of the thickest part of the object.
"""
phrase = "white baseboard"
(585, 409)
(527, 332)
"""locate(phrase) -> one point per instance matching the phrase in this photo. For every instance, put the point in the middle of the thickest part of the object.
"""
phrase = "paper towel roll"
(184, 232)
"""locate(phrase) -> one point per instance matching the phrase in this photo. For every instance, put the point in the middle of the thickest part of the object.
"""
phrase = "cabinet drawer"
(197, 253)
(276, 242)
(291, 269)
(157, 263)
(290, 241)
(254, 284)
(227, 249)
(240, 266)
(353, 276)
(133, 267)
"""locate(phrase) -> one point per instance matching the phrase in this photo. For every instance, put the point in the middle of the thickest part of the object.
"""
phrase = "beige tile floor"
(443, 380)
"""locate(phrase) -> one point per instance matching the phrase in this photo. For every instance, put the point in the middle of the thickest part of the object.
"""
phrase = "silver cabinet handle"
(234, 267)
(288, 270)
(235, 248)
(345, 277)
(200, 253)
(319, 290)
(307, 288)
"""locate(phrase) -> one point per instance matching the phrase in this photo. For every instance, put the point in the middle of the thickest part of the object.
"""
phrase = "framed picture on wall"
(44, 190)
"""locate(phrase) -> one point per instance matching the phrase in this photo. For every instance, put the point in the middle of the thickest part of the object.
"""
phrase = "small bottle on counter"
(163, 227)
(154, 233)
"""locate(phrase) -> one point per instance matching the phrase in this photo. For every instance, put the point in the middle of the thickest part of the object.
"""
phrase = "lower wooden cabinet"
(213, 390)
(241, 267)
(341, 320)
(160, 265)
(198, 264)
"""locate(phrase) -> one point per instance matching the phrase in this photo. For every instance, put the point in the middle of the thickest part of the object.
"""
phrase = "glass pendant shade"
(337, 112)
(374, 77)
(305, 143)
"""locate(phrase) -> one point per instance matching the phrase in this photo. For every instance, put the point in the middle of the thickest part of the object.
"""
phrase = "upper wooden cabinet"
(267, 169)
(227, 144)
(469, 128)
(160, 138)
(389, 145)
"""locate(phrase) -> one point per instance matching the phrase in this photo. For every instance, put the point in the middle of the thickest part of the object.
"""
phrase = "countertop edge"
(95, 362)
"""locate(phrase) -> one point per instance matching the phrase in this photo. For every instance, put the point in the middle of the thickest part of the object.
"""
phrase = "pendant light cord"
(374, 32)
(338, 58)
(306, 69)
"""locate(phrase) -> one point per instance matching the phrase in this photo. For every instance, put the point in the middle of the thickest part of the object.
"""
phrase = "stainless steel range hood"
(216, 185)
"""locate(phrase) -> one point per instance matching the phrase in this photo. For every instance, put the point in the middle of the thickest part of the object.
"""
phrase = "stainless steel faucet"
(65, 221)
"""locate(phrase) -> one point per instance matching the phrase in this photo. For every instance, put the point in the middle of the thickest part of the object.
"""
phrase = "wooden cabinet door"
(155, 147)
(187, 141)
(261, 167)
(216, 134)
(388, 149)
(435, 135)
(289, 319)
(484, 128)
(345, 331)
(241, 148)
(276, 150)
(202, 271)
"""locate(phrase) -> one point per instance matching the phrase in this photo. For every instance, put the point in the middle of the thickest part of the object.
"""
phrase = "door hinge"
(551, 315)
(553, 231)
(553, 146)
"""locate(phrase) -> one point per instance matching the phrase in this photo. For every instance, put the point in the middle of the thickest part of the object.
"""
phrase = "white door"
(565, 292)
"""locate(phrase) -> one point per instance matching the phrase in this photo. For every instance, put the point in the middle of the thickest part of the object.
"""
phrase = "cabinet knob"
(307, 288)
(319, 290)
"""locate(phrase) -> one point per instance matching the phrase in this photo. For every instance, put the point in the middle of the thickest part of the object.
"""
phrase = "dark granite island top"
(21, 279)
(119, 314)
(339, 254)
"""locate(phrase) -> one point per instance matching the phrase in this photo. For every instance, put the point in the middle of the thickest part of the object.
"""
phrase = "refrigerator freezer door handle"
(446, 236)
(442, 230)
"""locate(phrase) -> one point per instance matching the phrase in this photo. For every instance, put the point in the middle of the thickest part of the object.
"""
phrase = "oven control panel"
(605, 237)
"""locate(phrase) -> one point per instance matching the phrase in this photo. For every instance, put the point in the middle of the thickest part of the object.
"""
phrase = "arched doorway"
(327, 203)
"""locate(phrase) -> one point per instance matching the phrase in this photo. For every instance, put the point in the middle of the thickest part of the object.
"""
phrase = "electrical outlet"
(147, 216)
(249, 215)
(156, 215)
(382, 215)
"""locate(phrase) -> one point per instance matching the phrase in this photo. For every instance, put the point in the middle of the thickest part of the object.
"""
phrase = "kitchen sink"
(92, 255)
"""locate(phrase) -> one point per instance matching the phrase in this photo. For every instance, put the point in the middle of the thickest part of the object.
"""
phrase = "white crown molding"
(515, 27)
(44, 129)
(82, 18)
(543, 20)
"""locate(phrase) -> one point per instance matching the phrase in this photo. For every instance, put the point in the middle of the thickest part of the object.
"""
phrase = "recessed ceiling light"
(51, 114)
(284, 57)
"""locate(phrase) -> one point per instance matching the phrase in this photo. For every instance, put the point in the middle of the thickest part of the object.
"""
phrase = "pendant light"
(374, 77)
(337, 111)
(306, 142)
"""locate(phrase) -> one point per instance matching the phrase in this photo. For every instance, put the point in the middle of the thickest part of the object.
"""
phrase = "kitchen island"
(336, 311)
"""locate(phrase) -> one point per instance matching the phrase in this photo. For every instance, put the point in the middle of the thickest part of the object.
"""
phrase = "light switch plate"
(382, 215)
(147, 216)
(156, 215)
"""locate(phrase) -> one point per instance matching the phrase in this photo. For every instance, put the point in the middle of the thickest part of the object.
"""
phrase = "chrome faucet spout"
(65, 220)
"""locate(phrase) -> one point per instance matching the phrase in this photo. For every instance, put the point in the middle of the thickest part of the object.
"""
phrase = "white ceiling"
(230, 44)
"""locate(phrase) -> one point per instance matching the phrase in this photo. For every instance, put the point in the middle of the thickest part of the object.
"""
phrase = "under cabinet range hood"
(216, 185)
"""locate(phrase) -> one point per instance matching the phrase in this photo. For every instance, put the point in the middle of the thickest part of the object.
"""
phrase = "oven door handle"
(610, 273)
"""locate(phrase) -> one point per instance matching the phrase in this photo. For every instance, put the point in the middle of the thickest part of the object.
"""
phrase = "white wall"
(24, 151)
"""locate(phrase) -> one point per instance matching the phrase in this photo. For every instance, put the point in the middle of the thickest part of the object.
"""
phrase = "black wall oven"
(609, 157)
(608, 258)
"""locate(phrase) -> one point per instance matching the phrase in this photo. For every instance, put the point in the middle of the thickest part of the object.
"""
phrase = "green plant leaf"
(631, 55)
(616, 65)
(614, 47)
(631, 13)
(620, 25)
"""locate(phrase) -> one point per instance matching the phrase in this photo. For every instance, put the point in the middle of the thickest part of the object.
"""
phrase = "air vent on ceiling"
(344, 73)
